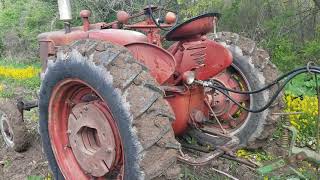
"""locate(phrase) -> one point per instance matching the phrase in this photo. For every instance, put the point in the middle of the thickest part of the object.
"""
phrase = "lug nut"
(109, 150)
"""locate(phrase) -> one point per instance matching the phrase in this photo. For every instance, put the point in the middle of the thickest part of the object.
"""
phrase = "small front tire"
(12, 126)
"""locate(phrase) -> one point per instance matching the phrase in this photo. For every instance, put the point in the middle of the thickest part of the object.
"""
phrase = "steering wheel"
(156, 22)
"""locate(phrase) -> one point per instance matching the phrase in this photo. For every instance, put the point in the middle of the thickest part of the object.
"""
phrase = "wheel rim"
(83, 133)
(231, 116)
(6, 130)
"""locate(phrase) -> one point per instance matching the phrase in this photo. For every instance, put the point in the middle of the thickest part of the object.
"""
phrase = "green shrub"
(283, 53)
(311, 51)
(21, 21)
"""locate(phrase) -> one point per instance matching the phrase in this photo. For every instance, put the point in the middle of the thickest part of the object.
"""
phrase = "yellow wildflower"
(18, 73)
(304, 122)
(253, 155)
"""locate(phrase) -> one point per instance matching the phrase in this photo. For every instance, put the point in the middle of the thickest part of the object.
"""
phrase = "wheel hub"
(219, 103)
(92, 139)
(229, 113)
(83, 134)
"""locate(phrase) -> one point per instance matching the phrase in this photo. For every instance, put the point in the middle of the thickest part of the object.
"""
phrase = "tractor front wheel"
(102, 116)
(13, 129)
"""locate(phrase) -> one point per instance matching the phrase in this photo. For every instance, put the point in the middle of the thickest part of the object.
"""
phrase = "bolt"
(70, 103)
(86, 108)
(67, 146)
(233, 124)
(89, 172)
(109, 150)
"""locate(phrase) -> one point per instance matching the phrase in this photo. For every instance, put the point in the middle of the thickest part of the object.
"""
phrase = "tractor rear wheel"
(253, 66)
(103, 116)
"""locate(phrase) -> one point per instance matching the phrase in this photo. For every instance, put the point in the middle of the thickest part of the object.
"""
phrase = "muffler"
(65, 13)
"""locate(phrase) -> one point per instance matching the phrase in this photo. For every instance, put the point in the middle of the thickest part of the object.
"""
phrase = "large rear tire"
(254, 63)
(125, 88)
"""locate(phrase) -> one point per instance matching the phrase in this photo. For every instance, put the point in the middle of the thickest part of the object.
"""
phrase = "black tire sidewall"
(253, 120)
(95, 76)
(21, 136)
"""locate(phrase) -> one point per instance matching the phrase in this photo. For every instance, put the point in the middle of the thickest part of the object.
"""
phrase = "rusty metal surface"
(84, 137)
(91, 139)
(202, 160)
(206, 57)
(150, 29)
(230, 115)
(117, 36)
(184, 104)
(200, 25)
(170, 18)
(197, 99)
(217, 59)
(85, 14)
(123, 17)
(51, 40)
(160, 63)
(205, 159)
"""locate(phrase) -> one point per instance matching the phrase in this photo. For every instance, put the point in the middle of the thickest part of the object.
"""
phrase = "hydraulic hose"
(290, 75)
(266, 87)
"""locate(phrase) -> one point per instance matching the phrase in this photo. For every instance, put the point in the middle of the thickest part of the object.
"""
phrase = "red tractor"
(115, 104)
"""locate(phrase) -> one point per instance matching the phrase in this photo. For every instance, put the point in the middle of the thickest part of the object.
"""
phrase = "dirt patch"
(240, 171)
(17, 166)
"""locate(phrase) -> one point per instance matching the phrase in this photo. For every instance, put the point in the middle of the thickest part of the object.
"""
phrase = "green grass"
(26, 88)
(19, 63)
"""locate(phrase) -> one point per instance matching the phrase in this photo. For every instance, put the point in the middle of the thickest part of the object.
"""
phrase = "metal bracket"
(203, 160)
(26, 105)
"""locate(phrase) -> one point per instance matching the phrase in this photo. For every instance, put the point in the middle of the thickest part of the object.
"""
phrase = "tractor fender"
(206, 57)
(217, 59)
(49, 41)
(160, 62)
(117, 36)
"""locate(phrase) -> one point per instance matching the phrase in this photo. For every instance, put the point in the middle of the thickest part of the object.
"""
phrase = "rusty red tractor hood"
(192, 52)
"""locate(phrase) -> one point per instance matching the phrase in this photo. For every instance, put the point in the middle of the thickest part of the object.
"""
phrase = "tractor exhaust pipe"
(65, 13)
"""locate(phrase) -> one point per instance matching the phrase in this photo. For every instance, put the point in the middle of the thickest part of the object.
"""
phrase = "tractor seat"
(202, 24)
